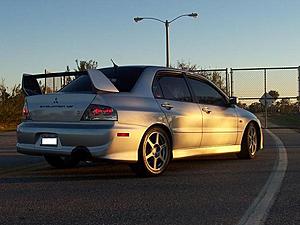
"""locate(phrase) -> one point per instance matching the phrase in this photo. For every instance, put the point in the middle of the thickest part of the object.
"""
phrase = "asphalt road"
(206, 190)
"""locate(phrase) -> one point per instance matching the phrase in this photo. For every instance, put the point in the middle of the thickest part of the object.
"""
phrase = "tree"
(216, 78)
(86, 65)
(242, 105)
(3, 92)
(11, 104)
(186, 66)
(256, 107)
(213, 76)
(285, 105)
(274, 94)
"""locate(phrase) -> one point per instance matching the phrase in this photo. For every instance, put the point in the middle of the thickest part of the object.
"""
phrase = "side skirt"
(181, 153)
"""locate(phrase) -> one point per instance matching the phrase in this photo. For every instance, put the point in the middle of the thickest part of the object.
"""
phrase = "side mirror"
(233, 100)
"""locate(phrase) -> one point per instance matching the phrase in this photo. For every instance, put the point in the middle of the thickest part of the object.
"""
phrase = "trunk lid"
(58, 107)
(70, 103)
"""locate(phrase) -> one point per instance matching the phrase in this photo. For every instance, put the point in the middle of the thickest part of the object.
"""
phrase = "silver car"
(145, 115)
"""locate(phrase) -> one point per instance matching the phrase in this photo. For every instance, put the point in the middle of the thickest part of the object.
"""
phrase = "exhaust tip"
(82, 153)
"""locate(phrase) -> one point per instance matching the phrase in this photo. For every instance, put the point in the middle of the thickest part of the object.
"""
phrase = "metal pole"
(265, 98)
(53, 84)
(299, 89)
(227, 91)
(231, 82)
(45, 83)
(167, 44)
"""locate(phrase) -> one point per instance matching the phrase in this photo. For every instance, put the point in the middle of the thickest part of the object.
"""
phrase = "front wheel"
(154, 153)
(62, 161)
(249, 143)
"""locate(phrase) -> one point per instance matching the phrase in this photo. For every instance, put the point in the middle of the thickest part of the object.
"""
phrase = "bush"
(11, 105)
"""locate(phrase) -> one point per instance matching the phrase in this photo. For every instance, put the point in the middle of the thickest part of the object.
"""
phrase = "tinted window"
(124, 79)
(174, 88)
(205, 93)
(157, 92)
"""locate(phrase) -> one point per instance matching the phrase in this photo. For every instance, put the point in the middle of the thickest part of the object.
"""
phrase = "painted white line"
(259, 209)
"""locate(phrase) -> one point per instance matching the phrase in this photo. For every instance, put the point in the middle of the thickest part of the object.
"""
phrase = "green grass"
(285, 120)
(8, 127)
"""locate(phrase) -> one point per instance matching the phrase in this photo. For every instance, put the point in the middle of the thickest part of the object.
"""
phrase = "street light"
(167, 23)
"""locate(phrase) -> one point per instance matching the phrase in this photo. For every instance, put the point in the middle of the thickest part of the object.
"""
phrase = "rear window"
(81, 84)
(124, 79)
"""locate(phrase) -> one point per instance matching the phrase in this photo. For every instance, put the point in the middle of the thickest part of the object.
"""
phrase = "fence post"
(45, 82)
(227, 90)
(299, 89)
(231, 82)
(53, 84)
(265, 98)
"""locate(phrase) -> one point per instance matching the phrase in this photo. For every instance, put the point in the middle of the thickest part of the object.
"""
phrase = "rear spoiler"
(30, 84)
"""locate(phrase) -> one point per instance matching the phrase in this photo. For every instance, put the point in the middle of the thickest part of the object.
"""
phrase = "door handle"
(167, 106)
(206, 109)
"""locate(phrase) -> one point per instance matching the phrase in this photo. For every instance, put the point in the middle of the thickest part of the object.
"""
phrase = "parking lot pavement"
(10, 160)
(203, 190)
(286, 209)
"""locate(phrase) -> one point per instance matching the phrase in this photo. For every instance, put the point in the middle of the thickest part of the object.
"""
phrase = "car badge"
(55, 101)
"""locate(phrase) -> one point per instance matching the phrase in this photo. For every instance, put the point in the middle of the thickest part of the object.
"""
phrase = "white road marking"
(258, 211)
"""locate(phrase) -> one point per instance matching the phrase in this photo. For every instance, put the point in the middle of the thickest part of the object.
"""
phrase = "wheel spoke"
(150, 143)
(149, 155)
(155, 164)
(157, 139)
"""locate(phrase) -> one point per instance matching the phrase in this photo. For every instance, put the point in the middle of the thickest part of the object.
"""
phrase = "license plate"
(50, 141)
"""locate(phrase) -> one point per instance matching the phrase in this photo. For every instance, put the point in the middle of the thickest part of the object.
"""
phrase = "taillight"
(25, 112)
(100, 112)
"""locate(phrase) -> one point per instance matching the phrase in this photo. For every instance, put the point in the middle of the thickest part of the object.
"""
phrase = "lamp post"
(167, 24)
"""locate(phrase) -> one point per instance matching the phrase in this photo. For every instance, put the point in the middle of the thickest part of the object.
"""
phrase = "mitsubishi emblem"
(55, 101)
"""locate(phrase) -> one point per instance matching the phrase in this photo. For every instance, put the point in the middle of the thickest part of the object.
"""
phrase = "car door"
(219, 118)
(175, 100)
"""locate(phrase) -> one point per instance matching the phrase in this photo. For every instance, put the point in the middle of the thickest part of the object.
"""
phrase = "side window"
(157, 92)
(174, 88)
(205, 93)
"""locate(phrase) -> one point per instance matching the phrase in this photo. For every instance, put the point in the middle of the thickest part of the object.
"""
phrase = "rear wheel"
(249, 143)
(154, 153)
(62, 161)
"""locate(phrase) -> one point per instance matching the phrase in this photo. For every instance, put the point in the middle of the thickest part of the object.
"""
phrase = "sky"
(50, 34)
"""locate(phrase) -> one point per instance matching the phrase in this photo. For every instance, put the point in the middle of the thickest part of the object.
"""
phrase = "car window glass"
(124, 79)
(174, 88)
(205, 93)
(81, 84)
(157, 92)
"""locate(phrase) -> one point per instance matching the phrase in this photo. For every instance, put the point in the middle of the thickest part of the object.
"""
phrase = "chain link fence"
(270, 93)
(53, 84)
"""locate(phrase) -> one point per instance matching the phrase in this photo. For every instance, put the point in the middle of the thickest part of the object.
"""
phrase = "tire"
(249, 143)
(62, 161)
(155, 153)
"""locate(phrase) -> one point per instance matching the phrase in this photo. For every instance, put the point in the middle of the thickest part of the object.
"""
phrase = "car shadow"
(111, 170)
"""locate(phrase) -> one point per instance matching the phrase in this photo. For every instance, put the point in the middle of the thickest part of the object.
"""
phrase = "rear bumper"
(100, 139)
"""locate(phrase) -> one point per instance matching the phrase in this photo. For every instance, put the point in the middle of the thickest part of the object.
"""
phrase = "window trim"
(171, 74)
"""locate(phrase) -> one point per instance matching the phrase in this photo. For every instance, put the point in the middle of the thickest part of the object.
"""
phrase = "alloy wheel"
(156, 151)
